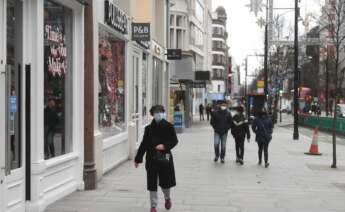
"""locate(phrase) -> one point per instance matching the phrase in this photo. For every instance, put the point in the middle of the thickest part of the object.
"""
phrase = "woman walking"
(159, 139)
(263, 128)
(239, 131)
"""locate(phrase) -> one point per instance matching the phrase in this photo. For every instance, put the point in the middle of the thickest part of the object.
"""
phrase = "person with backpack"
(221, 122)
(239, 130)
(263, 128)
(158, 141)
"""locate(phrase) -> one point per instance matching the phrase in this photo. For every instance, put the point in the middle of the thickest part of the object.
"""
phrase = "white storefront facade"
(41, 102)
(129, 78)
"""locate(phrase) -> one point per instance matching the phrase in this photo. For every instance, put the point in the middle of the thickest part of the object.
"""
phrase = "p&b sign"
(141, 31)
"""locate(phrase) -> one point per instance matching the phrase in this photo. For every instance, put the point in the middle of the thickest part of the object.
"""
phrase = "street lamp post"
(296, 80)
(266, 56)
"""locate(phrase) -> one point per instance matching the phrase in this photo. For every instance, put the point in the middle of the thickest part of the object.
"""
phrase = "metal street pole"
(327, 83)
(296, 80)
(266, 55)
(245, 89)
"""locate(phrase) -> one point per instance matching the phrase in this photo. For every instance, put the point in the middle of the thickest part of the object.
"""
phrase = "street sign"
(199, 85)
(141, 31)
(174, 54)
(202, 75)
(260, 84)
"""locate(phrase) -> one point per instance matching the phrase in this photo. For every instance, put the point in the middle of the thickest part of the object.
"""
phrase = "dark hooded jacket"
(221, 121)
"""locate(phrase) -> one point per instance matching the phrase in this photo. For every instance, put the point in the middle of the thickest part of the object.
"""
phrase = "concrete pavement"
(294, 182)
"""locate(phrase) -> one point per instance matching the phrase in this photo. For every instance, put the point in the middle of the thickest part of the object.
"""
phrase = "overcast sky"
(245, 36)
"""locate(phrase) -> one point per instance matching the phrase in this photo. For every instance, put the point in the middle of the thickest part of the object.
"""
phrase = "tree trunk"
(334, 134)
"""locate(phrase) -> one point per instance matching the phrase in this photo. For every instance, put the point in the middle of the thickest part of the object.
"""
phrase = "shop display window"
(111, 84)
(58, 74)
(144, 86)
(13, 84)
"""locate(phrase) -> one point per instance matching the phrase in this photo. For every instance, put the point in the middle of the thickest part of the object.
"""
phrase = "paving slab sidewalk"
(294, 182)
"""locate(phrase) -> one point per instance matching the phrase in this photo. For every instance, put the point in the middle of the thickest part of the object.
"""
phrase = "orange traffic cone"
(314, 147)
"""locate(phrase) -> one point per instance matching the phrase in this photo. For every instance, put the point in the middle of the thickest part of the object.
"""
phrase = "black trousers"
(208, 116)
(263, 147)
(202, 118)
(239, 141)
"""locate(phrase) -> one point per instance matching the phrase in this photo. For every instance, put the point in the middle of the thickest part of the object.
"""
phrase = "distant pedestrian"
(208, 111)
(239, 130)
(221, 122)
(159, 138)
(201, 112)
(263, 128)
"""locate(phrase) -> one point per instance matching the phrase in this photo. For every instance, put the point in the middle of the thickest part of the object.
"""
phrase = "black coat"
(261, 126)
(221, 121)
(240, 127)
(155, 134)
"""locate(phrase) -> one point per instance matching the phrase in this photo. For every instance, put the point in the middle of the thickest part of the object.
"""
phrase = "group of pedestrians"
(223, 122)
(202, 110)
(160, 138)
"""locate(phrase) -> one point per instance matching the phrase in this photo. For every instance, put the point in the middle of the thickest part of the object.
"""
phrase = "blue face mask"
(159, 117)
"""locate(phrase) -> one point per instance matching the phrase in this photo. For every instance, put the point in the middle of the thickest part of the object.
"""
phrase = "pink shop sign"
(56, 60)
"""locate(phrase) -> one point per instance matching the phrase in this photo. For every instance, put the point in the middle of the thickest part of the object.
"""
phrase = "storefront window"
(157, 81)
(111, 84)
(13, 83)
(144, 86)
(58, 72)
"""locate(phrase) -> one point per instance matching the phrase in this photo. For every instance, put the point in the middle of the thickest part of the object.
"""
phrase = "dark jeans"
(220, 140)
(49, 149)
(208, 116)
(239, 141)
(263, 146)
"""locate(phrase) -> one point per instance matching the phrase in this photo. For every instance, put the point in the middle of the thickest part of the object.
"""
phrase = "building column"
(90, 174)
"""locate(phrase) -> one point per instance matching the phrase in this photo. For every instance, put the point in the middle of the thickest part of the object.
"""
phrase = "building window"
(157, 85)
(172, 37)
(58, 72)
(172, 20)
(179, 21)
(179, 39)
(144, 85)
(13, 85)
(111, 84)
(196, 37)
(199, 11)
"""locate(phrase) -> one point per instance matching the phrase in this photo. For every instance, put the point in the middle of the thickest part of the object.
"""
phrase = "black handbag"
(161, 157)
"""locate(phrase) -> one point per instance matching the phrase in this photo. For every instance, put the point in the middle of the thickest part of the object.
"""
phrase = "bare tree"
(334, 22)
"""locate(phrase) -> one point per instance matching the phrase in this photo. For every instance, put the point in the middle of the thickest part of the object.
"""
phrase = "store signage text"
(141, 31)
(174, 54)
(115, 17)
(56, 59)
